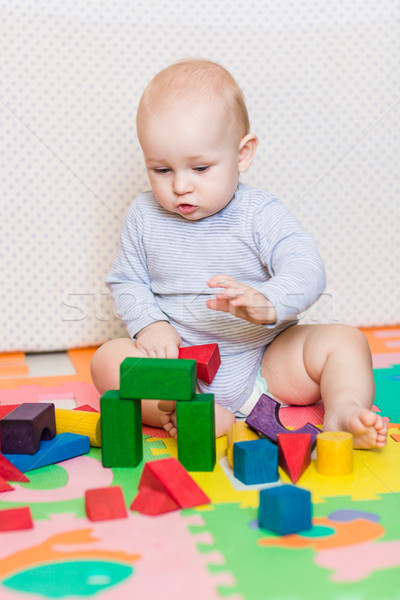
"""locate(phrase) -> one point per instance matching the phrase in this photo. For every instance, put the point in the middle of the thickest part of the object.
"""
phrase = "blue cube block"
(285, 509)
(255, 461)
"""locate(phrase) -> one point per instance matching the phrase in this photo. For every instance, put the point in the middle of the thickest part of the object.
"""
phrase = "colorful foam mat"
(216, 550)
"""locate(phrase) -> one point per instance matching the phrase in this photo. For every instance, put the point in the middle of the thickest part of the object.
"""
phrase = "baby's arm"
(241, 301)
(159, 340)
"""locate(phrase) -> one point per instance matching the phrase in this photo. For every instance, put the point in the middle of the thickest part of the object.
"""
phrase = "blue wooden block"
(255, 461)
(61, 447)
(285, 509)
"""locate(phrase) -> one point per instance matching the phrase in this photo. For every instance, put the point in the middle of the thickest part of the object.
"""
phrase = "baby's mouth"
(187, 208)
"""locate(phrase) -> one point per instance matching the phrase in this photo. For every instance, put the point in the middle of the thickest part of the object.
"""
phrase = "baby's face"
(192, 157)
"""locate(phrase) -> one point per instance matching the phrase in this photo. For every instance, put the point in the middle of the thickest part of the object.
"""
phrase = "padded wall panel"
(321, 84)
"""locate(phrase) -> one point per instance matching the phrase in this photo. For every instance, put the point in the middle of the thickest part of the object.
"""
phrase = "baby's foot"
(223, 418)
(368, 428)
(168, 417)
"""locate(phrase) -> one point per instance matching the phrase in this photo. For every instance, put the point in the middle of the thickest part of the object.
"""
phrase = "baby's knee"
(106, 361)
(341, 338)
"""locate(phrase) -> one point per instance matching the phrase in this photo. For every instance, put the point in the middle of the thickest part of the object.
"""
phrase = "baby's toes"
(165, 418)
(168, 426)
(173, 431)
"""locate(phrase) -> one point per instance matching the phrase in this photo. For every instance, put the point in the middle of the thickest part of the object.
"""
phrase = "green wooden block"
(158, 378)
(196, 433)
(121, 431)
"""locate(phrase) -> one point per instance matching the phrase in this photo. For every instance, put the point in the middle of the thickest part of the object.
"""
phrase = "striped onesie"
(164, 261)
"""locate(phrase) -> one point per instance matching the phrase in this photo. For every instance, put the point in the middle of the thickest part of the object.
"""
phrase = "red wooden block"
(168, 478)
(14, 519)
(294, 452)
(86, 407)
(207, 358)
(4, 486)
(9, 472)
(153, 502)
(103, 504)
(7, 408)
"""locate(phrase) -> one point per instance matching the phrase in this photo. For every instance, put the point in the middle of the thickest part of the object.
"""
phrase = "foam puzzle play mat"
(174, 520)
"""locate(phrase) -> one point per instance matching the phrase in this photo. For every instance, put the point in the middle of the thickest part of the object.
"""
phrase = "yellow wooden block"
(79, 421)
(239, 432)
(334, 453)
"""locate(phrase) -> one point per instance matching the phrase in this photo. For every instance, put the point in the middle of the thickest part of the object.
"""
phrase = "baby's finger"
(171, 351)
(218, 304)
(220, 281)
(231, 292)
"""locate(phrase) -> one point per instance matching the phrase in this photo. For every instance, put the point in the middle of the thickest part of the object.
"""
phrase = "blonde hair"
(190, 78)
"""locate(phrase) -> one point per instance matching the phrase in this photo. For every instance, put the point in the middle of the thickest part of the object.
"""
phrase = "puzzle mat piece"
(237, 537)
(387, 382)
(80, 359)
(61, 487)
(375, 472)
(81, 393)
(354, 547)
(123, 555)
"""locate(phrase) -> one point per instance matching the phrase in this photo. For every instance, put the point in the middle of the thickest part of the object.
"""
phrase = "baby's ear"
(247, 149)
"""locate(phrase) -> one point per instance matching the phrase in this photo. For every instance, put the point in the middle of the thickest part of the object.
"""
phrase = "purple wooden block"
(265, 418)
(24, 427)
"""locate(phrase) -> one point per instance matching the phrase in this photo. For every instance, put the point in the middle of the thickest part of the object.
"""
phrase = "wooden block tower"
(161, 379)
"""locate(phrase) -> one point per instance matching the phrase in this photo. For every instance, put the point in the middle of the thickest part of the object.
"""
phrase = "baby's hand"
(159, 340)
(241, 301)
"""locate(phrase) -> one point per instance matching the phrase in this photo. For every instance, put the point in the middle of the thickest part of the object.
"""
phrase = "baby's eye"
(200, 169)
(162, 170)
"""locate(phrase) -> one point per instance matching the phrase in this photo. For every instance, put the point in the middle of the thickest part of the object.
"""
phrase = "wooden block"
(207, 359)
(285, 509)
(9, 472)
(265, 418)
(80, 421)
(167, 477)
(4, 485)
(24, 428)
(294, 454)
(87, 408)
(15, 519)
(158, 378)
(196, 433)
(7, 408)
(103, 504)
(62, 447)
(239, 432)
(121, 431)
(153, 502)
(334, 453)
(255, 461)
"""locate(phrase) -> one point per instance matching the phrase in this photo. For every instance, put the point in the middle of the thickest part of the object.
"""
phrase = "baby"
(204, 258)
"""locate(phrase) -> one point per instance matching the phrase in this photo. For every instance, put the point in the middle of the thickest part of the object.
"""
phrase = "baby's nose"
(182, 183)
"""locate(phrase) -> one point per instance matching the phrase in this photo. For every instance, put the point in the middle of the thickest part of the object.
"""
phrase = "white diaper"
(260, 387)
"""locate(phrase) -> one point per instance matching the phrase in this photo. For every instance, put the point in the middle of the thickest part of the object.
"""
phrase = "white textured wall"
(321, 81)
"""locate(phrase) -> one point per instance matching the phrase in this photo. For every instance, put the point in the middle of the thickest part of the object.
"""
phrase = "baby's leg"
(332, 362)
(105, 374)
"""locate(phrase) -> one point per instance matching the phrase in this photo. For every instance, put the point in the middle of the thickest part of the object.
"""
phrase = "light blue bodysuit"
(164, 261)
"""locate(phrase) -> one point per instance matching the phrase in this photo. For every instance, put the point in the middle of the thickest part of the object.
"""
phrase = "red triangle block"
(4, 486)
(153, 502)
(103, 504)
(207, 358)
(294, 453)
(9, 472)
(167, 486)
